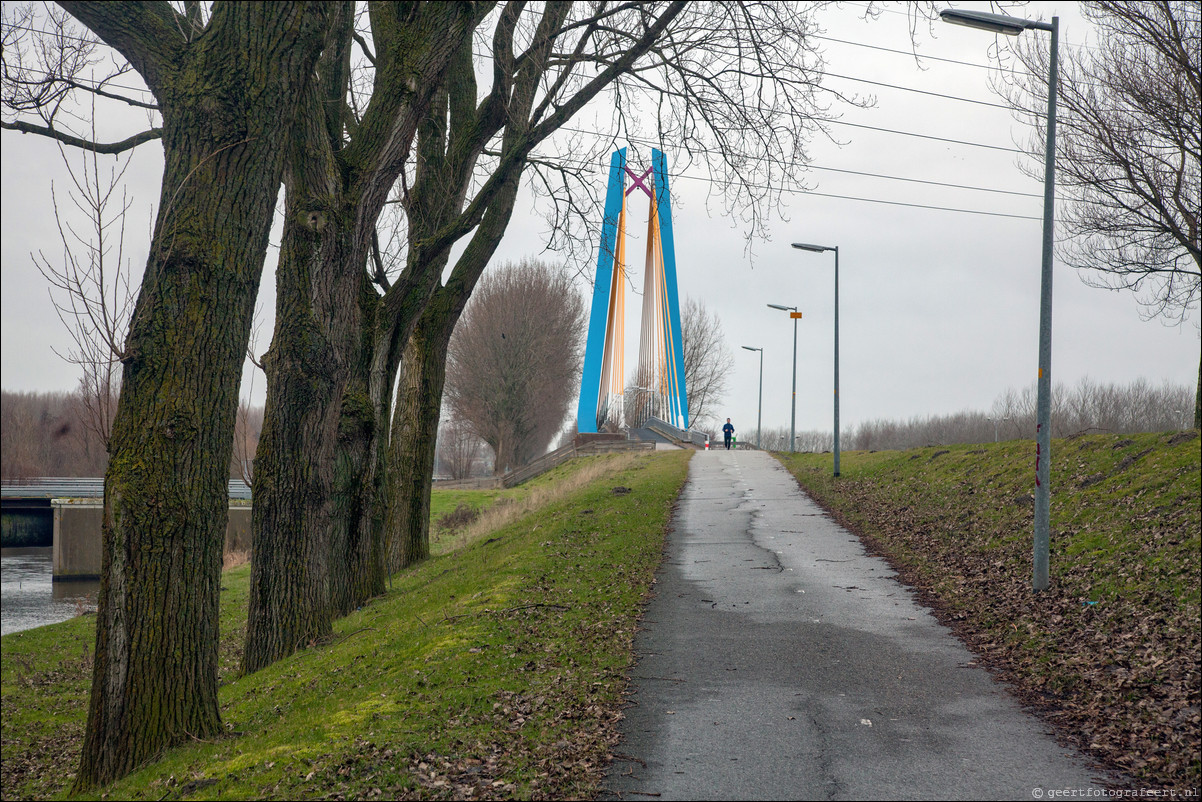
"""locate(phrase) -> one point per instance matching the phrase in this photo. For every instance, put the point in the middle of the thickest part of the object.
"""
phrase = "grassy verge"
(494, 670)
(1110, 652)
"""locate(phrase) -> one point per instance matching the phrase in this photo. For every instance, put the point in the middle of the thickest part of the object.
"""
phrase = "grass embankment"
(494, 669)
(1110, 653)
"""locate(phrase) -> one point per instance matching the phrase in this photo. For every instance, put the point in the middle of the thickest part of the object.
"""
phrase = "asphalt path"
(778, 660)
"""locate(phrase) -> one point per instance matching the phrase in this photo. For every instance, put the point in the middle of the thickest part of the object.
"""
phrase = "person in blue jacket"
(728, 431)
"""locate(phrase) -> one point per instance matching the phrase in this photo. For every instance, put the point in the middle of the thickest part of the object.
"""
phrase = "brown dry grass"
(507, 510)
(232, 559)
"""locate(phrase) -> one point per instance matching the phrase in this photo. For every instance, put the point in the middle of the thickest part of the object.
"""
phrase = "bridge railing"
(552, 459)
(561, 455)
(666, 429)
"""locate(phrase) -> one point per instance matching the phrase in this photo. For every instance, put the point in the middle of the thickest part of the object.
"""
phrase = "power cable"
(710, 151)
(590, 167)
(918, 91)
(833, 122)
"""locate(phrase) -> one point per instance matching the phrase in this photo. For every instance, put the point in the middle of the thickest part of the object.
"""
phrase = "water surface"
(30, 599)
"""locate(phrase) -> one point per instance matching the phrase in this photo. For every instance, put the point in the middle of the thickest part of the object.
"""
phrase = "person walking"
(728, 431)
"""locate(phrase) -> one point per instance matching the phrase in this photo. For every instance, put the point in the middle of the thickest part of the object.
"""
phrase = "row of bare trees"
(1138, 406)
(56, 434)
(46, 434)
(401, 134)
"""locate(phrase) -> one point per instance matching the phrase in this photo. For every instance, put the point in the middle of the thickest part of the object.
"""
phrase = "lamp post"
(759, 409)
(995, 423)
(1012, 26)
(820, 249)
(793, 313)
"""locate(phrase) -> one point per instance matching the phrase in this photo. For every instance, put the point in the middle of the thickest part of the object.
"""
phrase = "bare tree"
(91, 284)
(459, 448)
(317, 544)
(514, 359)
(247, 428)
(733, 87)
(46, 434)
(1129, 142)
(707, 360)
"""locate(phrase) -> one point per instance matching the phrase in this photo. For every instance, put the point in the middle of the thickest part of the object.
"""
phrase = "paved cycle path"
(778, 660)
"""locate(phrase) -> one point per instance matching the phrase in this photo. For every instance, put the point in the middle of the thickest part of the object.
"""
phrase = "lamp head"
(803, 246)
(994, 23)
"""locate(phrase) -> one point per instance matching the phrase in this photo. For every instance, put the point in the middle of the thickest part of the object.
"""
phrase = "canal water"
(30, 599)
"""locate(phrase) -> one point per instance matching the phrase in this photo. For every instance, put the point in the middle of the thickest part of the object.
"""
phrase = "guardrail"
(476, 483)
(561, 455)
(674, 433)
(546, 462)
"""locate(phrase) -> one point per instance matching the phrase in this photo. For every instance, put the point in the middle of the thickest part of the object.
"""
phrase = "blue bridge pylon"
(659, 389)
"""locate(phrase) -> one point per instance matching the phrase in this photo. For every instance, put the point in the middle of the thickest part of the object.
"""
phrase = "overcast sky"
(938, 309)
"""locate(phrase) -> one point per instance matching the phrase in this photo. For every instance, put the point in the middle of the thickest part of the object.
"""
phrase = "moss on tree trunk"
(413, 443)
(226, 97)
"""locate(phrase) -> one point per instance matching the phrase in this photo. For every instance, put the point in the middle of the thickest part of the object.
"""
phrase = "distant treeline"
(53, 434)
(47, 434)
(1088, 407)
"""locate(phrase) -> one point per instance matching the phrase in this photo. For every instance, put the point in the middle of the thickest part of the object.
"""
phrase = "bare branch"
(47, 63)
(151, 36)
(91, 285)
(1129, 142)
(110, 148)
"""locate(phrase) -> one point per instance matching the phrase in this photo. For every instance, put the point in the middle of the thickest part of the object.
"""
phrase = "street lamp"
(759, 410)
(995, 423)
(801, 246)
(1012, 26)
(793, 313)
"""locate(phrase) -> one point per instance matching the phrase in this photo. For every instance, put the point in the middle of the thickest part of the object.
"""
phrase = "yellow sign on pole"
(795, 315)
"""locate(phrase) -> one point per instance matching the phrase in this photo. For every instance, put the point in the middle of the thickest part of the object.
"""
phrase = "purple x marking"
(638, 181)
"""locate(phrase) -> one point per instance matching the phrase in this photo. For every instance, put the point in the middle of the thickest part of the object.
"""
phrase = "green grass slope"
(493, 670)
(1110, 653)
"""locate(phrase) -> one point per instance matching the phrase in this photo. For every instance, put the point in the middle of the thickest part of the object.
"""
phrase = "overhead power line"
(918, 91)
(878, 129)
(590, 167)
(652, 143)
(924, 136)
(843, 123)
(882, 201)
(911, 54)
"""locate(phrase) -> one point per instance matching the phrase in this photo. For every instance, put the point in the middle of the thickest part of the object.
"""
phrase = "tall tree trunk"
(317, 552)
(357, 560)
(227, 99)
(414, 437)
(306, 371)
